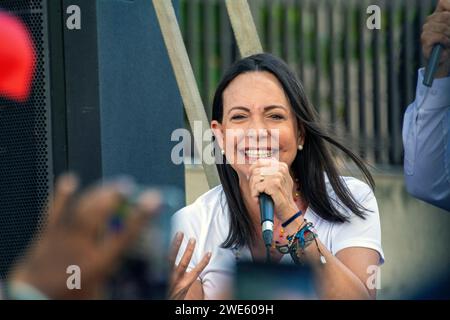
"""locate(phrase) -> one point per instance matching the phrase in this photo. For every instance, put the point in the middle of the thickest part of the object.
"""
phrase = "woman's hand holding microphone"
(272, 177)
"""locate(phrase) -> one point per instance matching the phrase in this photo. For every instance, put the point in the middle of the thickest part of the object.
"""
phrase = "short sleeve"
(359, 232)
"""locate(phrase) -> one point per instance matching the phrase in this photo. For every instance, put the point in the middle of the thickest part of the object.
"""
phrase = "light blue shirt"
(426, 140)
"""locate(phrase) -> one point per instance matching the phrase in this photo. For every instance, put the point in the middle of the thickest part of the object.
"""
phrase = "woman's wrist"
(293, 227)
(287, 211)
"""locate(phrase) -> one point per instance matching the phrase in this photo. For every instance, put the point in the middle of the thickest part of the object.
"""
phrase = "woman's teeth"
(258, 153)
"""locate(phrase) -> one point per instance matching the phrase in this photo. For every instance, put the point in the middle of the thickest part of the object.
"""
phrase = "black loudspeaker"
(104, 102)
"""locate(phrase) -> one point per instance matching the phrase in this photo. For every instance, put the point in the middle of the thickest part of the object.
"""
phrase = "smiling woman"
(262, 116)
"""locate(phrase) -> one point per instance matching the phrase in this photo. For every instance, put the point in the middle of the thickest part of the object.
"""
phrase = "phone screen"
(144, 272)
(271, 281)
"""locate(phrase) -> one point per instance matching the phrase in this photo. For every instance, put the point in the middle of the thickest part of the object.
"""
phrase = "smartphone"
(273, 281)
(143, 272)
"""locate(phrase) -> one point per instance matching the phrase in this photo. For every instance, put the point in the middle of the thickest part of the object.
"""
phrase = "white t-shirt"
(207, 220)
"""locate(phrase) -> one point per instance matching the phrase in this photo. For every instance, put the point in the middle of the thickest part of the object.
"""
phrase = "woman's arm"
(425, 139)
(344, 275)
(426, 123)
(361, 262)
(355, 242)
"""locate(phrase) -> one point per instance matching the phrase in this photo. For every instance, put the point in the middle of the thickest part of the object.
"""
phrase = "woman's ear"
(217, 130)
(301, 140)
(301, 134)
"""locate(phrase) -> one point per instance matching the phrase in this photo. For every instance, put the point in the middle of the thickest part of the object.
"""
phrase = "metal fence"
(360, 80)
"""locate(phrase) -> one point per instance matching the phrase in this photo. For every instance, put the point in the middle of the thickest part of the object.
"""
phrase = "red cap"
(17, 59)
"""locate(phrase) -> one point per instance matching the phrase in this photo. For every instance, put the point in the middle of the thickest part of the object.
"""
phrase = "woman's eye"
(237, 117)
(276, 116)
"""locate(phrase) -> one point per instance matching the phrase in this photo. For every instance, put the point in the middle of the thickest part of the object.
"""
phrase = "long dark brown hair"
(313, 161)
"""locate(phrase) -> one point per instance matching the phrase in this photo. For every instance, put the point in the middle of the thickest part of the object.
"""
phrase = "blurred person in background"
(76, 233)
(426, 124)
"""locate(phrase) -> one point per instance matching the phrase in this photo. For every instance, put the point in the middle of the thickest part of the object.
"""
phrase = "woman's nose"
(257, 136)
(257, 123)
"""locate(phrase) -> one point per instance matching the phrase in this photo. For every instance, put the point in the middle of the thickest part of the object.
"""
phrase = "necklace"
(236, 252)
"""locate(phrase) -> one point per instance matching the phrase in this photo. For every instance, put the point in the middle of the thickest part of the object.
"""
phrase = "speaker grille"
(24, 147)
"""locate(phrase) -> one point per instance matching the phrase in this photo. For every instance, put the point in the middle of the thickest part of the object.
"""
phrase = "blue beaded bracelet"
(288, 221)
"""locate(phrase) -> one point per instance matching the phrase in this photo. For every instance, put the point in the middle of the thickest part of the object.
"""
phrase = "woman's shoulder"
(357, 186)
(359, 189)
(358, 231)
(206, 205)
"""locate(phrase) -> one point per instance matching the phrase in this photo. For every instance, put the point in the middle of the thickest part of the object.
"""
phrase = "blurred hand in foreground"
(77, 233)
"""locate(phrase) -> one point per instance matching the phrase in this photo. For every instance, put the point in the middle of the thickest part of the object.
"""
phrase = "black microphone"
(266, 210)
(432, 65)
